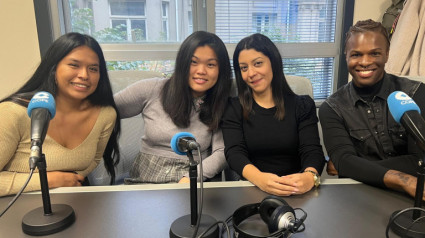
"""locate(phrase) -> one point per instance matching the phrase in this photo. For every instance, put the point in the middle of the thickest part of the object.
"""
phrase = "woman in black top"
(270, 133)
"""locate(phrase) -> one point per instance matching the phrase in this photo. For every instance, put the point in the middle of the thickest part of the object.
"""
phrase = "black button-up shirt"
(362, 138)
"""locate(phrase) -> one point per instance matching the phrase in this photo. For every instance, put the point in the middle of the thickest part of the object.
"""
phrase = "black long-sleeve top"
(361, 137)
(280, 147)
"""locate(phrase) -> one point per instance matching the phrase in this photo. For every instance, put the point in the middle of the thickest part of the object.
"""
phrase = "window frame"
(168, 51)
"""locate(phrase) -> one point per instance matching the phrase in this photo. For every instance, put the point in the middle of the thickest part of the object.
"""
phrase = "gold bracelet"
(316, 177)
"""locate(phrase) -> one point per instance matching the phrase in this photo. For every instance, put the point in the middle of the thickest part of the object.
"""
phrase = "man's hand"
(330, 169)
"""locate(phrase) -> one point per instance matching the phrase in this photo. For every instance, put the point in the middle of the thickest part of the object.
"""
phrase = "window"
(190, 18)
(122, 8)
(165, 20)
(145, 35)
(263, 22)
(128, 19)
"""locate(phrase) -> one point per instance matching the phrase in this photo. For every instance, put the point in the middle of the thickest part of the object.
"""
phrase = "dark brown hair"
(177, 88)
(280, 86)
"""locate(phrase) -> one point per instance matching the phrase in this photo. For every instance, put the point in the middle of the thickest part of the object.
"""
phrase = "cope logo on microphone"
(403, 98)
(40, 97)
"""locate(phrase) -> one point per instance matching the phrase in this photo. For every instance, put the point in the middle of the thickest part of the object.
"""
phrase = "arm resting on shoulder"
(131, 100)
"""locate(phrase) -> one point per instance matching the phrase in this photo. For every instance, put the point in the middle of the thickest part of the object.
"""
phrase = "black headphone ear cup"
(281, 217)
(268, 205)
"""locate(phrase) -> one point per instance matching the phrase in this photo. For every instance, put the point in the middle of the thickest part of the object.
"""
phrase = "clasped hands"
(292, 184)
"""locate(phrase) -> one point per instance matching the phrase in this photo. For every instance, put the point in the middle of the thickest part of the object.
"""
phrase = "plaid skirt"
(149, 168)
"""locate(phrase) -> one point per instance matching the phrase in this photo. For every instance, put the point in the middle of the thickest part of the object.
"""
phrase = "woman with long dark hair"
(191, 100)
(270, 133)
(84, 129)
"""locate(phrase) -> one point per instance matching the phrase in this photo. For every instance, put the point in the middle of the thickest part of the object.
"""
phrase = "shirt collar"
(386, 88)
(383, 92)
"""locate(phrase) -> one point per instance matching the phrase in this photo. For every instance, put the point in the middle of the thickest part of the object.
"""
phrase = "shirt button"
(368, 111)
(376, 132)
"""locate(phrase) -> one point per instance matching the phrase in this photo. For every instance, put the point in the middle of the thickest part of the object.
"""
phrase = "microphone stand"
(412, 223)
(185, 226)
(193, 176)
(42, 221)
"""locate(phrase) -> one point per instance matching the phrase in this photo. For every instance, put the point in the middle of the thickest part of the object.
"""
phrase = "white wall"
(370, 9)
(19, 48)
(19, 42)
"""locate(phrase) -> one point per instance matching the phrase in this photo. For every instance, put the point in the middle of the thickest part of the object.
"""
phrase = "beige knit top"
(15, 141)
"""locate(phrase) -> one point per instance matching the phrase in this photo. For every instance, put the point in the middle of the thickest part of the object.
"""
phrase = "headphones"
(275, 212)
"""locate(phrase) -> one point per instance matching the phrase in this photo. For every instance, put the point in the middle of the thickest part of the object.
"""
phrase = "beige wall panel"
(19, 47)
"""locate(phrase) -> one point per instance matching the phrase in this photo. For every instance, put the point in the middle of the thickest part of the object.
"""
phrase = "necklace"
(197, 102)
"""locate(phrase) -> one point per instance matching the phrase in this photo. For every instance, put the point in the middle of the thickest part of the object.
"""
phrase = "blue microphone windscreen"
(399, 103)
(175, 141)
(42, 100)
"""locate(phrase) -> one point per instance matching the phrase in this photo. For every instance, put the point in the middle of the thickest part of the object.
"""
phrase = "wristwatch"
(316, 177)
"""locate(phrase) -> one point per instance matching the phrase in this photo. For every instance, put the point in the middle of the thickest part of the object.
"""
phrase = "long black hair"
(280, 86)
(177, 88)
(44, 80)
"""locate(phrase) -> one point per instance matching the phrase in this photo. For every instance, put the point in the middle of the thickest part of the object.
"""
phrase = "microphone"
(406, 112)
(42, 220)
(183, 142)
(187, 226)
(41, 109)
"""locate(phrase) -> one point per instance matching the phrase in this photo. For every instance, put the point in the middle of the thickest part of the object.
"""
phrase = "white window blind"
(282, 20)
(318, 70)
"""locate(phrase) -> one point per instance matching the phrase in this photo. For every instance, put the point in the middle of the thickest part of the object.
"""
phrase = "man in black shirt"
(362, 139)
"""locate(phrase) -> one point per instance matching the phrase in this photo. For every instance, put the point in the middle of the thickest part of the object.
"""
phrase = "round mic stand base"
(36, 223)
(412, 223)
(405, 226)
(182, 228)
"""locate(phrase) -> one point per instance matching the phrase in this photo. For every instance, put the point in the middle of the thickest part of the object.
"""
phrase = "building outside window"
(129, 18)
(146, 34)
(263, 22)
(165, 6)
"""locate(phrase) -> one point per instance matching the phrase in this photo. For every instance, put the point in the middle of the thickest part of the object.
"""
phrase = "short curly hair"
(366, 26)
